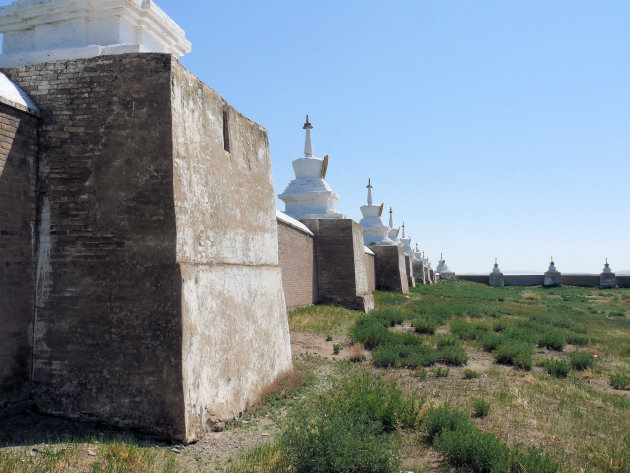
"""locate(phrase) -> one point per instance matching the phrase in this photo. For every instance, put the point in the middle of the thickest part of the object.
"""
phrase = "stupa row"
(309, 197)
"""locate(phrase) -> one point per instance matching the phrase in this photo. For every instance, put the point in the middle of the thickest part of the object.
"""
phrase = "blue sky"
(495, 128)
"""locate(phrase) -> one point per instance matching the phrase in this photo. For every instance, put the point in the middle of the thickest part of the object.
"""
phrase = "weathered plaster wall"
(18, 196)
(340, 258)
(623, 280)
(296, 256)
(418, 272)
(235, 327)
(159, 298)
(369, 266)
(411, 280)
(390, 271)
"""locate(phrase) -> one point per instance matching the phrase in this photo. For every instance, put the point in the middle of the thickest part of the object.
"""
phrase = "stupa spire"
(403, 227)
(308, 143)
(391, 218)
(369, 188)
(417, 249)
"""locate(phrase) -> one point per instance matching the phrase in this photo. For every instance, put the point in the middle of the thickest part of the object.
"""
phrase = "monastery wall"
(18, 190)
(296, 255)
(159, 302)
(369, 267)
(583, 280)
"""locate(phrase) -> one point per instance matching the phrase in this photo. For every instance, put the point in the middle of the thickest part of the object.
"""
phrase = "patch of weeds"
(336, 349)
(471, 374)
(499, 326)
(620, 381)
(421, 373)
(580, 360)
(284, 386)
(329, 338)
(390, 316)
(446, 340)
(441, 372)
(452, 355)
(490, 341)
(265, 458)
(576, 339)
(425, 325)
(557, 368)
(481, 408)
(552, 340)
(443, 418)
(370, 332)
(468, 331)
(514, 352)
(356, 353)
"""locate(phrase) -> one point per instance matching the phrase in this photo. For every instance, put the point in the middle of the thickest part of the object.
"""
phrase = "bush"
(477, 451)
(499, 326)
(370, 332)
(513, 352)
(452, 355)
(577, 340)
(481, 408)
(425, 325)
(490, 341)
(528, 335)
(390, 316)
(552, 340)
(388, 356)
(471, 374)
(439, 419)
(557, 368)
(441, 372)
(533, 461)
(468, 331)
(580, 360)
(619, 381)
(336, 349)
(420, 359)
(445, 340)
(422, 374)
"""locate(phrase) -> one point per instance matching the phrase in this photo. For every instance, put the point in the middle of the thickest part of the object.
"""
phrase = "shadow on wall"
(18, 187)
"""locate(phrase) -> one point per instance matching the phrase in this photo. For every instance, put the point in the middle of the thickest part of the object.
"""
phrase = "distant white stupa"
(496, 276)
(553, 277)
(607, 279)
(442, 269)
(374, 229)
(393, 232)
(406, 243)
(309, 196)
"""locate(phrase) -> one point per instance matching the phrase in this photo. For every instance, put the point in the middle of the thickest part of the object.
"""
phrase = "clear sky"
(493, 128)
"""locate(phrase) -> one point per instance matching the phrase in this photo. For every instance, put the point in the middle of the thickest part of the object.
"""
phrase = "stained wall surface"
(159, 302)
(18, 196)
(369, 267)
(296, 256)
(390, 271)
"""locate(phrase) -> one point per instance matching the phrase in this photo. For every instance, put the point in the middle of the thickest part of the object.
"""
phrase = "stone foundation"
(391, 274)
(340, 258)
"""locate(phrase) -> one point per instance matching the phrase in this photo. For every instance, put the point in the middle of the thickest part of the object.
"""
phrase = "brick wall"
(369, 265)
(296, 258)
(583, 280)
(18, 189)
(390, 271)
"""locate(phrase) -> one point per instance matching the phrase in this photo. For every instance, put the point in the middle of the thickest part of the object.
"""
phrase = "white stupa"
(393, 232)
(36, 31)
(309, 196)
(553, 277)
(418, 254)
(607, 279)
(442, 269)
(496, 276)
(406, 243)
(374, 229)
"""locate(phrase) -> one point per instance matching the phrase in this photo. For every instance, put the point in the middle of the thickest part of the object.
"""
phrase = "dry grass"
(322, 319)
(284, 385)
(356, 353)
(530, 296)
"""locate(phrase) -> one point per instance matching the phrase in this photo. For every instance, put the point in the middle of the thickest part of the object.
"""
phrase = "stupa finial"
(495, 261)
(417, 249)
(441, 257)
(403, 227)
(391, 218)
(308, 143)
(606, 261)
(369, 188)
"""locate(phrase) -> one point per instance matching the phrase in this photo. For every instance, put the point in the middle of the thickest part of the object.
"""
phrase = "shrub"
(490, 341)
(468, 331)
(474, 450)
(336, 349)
(619, 381)
(388, 356)
(499, 326)
(329, 338)
(513, 352)
(390, 316)
(446, 340)
(471, 374)
(440, 372)
(580, 360)
(370, 332)
(421, 373)
(439, 419)
(552, 340)
(481, 408)
(533, 460)
(518, 333)
(575, 339)
(420, 359)
(452, 355)
(425, 325)
(557, 368)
